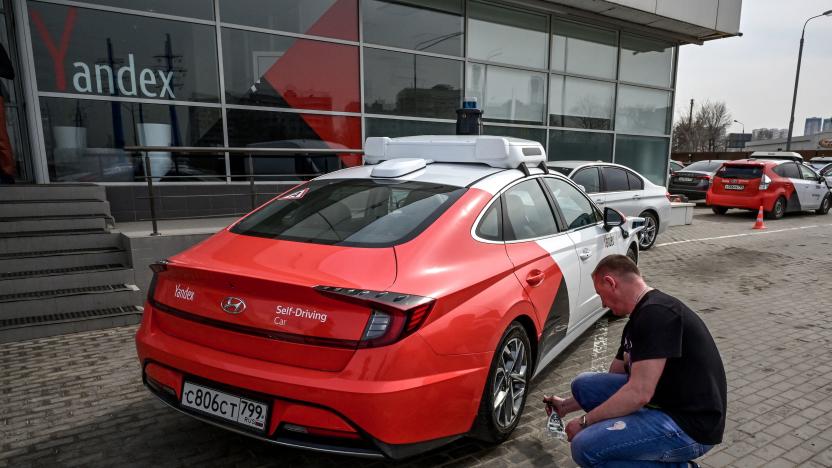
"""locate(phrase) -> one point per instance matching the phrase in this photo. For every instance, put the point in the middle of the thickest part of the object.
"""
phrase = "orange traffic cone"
(759, 224)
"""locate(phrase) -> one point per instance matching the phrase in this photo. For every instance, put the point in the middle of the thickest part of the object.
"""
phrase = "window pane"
(589, 178)
(491, 223)
(576, 208)
(579, 103)
(123, 55)
(507, 95)
(279, 71)
(565, 145)
(84, 138)
(533, 134)
(642, 110)
(433, 25)
(505, 35)
(407, 84)
(646, 61)
(615, 179)
(646, 155)
(328, 18)
(635, 182)
(203, 9)
(398, 128)
(528, 211)
(583, 50)
(264, 129)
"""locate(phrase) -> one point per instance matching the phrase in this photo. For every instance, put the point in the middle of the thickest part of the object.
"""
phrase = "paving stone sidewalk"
(77, 400)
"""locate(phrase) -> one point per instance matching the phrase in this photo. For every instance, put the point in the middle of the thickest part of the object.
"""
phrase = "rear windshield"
(740, 172)
(563, 170)
(352, 212)
(704, 166)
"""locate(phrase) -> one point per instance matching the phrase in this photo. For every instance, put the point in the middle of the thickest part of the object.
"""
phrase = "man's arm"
(617, 367)
(636, 393)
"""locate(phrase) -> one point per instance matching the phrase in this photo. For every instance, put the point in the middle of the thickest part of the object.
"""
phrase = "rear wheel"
(504, 396)
(778, 210)
(647, 236)
(824, 205)
(719, 210)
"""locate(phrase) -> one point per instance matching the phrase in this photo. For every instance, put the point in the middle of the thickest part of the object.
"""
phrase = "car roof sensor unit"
(495, 151)
(398, 167)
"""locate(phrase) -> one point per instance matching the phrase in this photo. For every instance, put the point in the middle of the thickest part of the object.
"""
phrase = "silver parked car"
(625, 190)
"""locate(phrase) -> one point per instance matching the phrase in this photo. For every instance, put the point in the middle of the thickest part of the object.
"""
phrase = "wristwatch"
(583, 421)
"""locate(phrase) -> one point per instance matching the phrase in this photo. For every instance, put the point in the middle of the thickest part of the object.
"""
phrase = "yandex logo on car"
(126, 78)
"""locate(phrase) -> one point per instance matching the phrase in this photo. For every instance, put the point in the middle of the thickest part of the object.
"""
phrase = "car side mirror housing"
(612, 218)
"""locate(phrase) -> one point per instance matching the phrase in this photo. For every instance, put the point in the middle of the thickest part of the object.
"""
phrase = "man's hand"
(557, 404)
(573, 428)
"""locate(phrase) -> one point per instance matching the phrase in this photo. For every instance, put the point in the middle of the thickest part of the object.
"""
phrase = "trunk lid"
(254, 297)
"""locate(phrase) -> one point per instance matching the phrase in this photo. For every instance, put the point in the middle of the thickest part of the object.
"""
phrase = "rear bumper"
(753, 202)
(691, 193)
(386, 400)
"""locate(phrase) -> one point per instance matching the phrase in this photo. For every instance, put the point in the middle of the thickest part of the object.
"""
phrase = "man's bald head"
(618, 266)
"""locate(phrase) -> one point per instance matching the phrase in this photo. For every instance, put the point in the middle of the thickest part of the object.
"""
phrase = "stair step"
(57, 240)
(34, 303)
(66, 278)
(41, 208)
(28, 328)
(35, 225)
(60, 261)
(52, 192)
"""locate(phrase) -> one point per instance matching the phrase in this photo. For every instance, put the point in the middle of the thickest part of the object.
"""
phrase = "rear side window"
(352, 212)
(635, 181)
(589, 178)
(615, 179)
(789, 170)
(491, 224)
(528, 212)
(740, 172)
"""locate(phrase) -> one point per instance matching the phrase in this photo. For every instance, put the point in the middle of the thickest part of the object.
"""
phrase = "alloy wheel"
(648, 234)
(509, 385)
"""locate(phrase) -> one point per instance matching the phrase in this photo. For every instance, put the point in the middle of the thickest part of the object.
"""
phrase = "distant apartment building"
(768, 133)
(812, 126)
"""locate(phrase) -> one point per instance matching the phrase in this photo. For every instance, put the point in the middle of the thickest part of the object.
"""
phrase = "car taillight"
(158, 267)
(765, 182)
(394, 316)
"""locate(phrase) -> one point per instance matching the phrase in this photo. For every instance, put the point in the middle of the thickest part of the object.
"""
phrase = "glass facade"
(315, 74)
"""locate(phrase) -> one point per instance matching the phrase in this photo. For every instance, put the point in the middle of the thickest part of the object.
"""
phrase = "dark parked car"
(693, 181)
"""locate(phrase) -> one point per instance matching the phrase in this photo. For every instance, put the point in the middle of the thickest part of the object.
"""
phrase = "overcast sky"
(754, 74)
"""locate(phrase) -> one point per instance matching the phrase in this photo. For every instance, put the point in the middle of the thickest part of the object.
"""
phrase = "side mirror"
(612, 218)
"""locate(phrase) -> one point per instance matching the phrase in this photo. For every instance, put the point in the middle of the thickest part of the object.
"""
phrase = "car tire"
(824, 205)
(651, 228)
(632, 253)
(778, 210)
(719, 210)
(495, 422)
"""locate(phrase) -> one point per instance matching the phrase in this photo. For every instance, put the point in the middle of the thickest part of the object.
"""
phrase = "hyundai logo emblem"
(233, 305)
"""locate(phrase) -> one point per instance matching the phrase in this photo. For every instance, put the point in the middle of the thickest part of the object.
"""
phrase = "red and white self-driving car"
(385, 309)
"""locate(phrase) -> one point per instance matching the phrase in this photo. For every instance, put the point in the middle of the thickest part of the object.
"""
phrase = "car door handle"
(535, 278)
(636, 196)
(585, 254)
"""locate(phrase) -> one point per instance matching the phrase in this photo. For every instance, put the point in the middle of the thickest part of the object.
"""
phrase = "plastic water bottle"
(554, 426)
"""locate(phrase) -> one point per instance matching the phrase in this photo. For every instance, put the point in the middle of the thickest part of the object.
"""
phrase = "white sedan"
(627, 191)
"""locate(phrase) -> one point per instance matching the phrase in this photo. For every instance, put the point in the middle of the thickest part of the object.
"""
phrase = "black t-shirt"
(692, 389)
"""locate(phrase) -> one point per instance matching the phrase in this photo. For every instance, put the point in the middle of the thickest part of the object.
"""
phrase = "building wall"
(818, 141)
(327, 74)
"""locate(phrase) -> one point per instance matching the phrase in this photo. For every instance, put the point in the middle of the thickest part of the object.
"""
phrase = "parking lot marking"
(743, 234)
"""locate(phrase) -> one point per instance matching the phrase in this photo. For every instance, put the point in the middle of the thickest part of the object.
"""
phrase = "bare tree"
(707, 131)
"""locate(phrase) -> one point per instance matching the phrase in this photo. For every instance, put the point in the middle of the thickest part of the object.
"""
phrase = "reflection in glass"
(642, 110)
(123, 55)
(202, 9)
(583, 50)
(566, 145)
(327, 18)
(580, 103)
(84, 138)
(533, 134)
(432, 26)
(646, 155)
(646, 61)
(266, 129)
(505, 35)
(507, 95)
(398, 128)
(407, 84)
(278, 71)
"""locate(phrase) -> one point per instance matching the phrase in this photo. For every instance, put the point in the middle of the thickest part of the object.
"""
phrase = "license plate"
(225, 405)
(685, 179)
(734, 187)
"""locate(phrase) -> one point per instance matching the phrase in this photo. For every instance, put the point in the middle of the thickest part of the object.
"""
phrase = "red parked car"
(779, 186)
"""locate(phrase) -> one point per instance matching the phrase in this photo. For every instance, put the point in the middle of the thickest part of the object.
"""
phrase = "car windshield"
(740, 172)
(704, 166)
(351, 212)
(819, 165)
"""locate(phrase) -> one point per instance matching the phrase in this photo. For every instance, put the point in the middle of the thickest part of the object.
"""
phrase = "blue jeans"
(647, 437)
